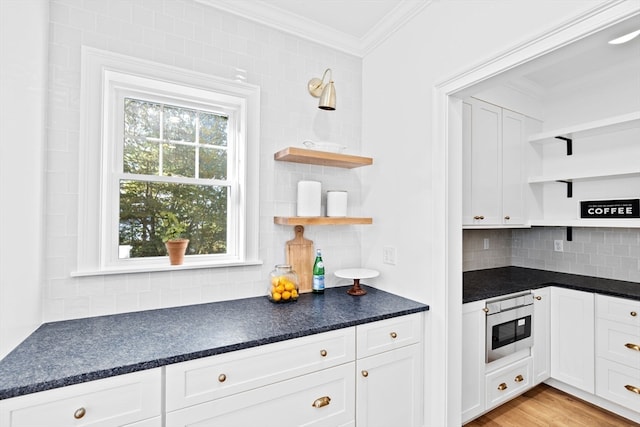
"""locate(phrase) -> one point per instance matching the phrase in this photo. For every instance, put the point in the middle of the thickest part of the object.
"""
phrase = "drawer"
(201, 380)
(120, 400)
(618, 342)
(618, 383)
(376, 337)
(618, 309)
(325, 398)
(508, 382)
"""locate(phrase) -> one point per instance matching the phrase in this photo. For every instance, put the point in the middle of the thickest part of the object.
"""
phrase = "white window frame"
(106, 79)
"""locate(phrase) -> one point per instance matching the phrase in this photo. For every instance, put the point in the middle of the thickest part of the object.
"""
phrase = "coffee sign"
(628, 208)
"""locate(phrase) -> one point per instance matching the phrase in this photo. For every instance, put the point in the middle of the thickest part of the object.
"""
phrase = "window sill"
(159, 268)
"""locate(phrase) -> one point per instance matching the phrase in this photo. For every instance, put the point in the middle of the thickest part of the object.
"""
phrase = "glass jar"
(283, 284)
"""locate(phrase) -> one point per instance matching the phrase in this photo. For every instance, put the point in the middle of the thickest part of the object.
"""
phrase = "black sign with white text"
(629, 208)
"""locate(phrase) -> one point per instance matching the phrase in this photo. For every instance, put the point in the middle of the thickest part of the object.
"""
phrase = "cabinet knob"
(633, 314)
(635, 347)
(502, 386)
(79, 413)
(519, 379)
(393, 335)
(633, 389)
(507, 217)
(222, 378)
(365, 374)
(486, 310)
(323, 353)
(321, 401)
(538, 297)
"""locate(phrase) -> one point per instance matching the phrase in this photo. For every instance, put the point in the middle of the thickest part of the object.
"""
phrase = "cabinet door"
(473, 356)
(389, 389)
(541, 330)
(120, 400)
(572, 338)
(482, 145)
(323, 398)
(513, 130)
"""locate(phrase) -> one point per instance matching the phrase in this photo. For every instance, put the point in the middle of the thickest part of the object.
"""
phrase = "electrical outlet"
(389, 255)
(485, 244)
(557, 245)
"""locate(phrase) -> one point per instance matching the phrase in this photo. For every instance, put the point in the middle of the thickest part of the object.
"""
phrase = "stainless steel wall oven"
(509, 325)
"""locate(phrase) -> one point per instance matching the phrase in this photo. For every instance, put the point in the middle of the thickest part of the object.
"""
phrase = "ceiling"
(358, 26)
(352, 26)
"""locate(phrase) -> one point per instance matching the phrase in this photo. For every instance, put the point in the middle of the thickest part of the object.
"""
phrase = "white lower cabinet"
(338, 378)
(508, 382)
(389, 376)
(132, 400)
(618, 351)
(324, 398)
(473, 357)
(572, 338)
(541, 335)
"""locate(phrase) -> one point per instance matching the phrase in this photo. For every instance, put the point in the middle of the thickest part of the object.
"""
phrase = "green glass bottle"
(318, 274)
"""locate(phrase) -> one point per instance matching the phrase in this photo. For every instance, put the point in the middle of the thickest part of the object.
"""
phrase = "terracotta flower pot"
(176, 250)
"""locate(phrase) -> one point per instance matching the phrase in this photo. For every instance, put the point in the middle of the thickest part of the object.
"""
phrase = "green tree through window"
(174, 159)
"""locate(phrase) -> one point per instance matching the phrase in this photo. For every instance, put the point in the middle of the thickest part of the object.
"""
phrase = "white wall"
(187, 34)
(23, 93)
(408, 191)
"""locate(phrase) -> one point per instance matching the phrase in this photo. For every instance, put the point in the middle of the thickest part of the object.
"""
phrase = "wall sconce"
(325, 91)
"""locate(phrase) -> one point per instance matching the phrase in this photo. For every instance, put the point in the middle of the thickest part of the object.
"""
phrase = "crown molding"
(311, 30)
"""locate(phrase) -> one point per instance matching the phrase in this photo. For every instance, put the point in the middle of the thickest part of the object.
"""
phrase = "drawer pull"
(323, 353)
(321, 401)
(393, 335)
(502, 386)
(519, 379)
(478, 217)
(633, 314)
(365, 374)
(222, 378)
(507, 217)
(80, 412)
(633, 389)
(635, 347)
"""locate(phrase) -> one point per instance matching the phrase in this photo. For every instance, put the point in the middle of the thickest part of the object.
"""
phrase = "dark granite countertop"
(493, 282)
(69, 352)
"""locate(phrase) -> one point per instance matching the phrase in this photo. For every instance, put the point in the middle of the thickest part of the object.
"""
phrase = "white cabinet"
(541, 335)
(618, 351)
(572, 338)
(493, 181)
(593, 161)
(126, 400)
(473, 357)
(283, 380)
(389, 373)
(330, 379)
(508, 382)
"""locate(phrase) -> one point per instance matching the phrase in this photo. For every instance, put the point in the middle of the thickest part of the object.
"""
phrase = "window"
(162, 142)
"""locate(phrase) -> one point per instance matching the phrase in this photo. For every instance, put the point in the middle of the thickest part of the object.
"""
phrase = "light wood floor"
(547, 406)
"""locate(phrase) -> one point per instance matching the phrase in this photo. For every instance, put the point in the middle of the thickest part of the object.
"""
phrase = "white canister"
(309, 198)
(336, 203)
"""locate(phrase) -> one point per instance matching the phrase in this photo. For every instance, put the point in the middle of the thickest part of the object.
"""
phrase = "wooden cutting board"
(301, 257)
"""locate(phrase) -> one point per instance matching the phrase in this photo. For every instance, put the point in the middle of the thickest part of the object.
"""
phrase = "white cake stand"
(356, 274)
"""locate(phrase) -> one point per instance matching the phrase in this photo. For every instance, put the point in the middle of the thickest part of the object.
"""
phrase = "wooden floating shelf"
(320, 220)
(323, 158)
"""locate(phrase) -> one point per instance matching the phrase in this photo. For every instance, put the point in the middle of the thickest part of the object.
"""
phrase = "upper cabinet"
(592, 161)
(493, 179)
(321, 158)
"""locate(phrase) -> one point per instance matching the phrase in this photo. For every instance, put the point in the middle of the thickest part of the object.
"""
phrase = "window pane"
(213, 163)
(201, 209)
(140, 156)
(179, 124)
(213, 129)
(178, 160)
